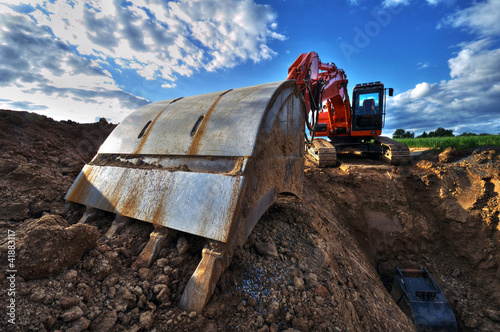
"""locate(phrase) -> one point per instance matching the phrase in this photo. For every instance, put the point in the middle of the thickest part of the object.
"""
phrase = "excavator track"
(394, 151)
(322, 153)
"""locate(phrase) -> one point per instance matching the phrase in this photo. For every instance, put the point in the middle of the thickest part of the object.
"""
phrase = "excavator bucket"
(209, 165)
(420, 297)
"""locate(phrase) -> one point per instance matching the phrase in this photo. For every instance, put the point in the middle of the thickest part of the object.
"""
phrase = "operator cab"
(368, 108)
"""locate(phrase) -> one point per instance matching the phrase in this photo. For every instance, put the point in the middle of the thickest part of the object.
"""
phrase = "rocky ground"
(322, 262)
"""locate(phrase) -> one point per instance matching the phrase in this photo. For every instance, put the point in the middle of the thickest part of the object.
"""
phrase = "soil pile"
(324, 262)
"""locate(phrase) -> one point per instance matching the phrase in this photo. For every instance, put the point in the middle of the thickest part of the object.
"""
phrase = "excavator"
(210, 165)
(355, 128)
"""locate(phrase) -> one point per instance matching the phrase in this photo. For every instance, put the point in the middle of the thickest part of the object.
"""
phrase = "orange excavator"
(210, 165)
(355, 128)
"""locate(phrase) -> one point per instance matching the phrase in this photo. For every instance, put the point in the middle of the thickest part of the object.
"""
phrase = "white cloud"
(77, 105)
(421, 90)
(422, 65)
(168, 85)
(38, 72)
(474, 64)
(466, 102)
(394, 3)
(62, 51)
(164, 39)
(434, 2)
(482, 18)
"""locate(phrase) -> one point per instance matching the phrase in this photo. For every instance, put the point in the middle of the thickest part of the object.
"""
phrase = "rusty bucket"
(208, 165)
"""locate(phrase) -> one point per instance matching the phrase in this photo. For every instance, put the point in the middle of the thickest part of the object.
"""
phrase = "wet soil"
(321, 262)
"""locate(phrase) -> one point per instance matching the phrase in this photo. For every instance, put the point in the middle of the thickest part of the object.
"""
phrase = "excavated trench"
(322, 262)
(440, 213)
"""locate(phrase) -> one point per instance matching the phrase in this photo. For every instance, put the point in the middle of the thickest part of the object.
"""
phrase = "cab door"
(368, 109)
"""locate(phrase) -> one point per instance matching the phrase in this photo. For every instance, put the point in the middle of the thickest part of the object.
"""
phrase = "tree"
(441, 132)
(409, 135)
(424, 135)
(400, 133)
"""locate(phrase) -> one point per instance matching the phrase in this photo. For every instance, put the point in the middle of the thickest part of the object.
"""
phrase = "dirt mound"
(324, 262)
(39, 159)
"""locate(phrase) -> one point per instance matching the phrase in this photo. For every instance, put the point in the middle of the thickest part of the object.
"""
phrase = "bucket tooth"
(201, 286)
(158, 239)
(89, 214)
(118, 225)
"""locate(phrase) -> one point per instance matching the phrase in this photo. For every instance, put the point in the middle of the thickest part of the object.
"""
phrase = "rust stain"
(194, 148)
(144, 137)
(116, 195)
(80, 190)
(158, 214)
(236, 199)
(237, 167)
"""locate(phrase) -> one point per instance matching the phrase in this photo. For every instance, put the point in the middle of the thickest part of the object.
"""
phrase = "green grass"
(458, 142)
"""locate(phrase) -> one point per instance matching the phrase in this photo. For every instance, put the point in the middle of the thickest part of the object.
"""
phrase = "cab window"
(367, 104)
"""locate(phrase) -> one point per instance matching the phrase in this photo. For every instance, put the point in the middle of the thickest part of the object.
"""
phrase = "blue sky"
(83, 60)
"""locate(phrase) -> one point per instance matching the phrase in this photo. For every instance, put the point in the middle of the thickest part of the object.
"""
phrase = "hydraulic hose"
(314, 110)
(316, 101)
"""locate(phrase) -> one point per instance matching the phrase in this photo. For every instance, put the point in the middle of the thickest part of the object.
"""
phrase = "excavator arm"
(322, 83)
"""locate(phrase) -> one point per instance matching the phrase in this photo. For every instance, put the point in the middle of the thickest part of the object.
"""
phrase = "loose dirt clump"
(48, 245)
(322, 262)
